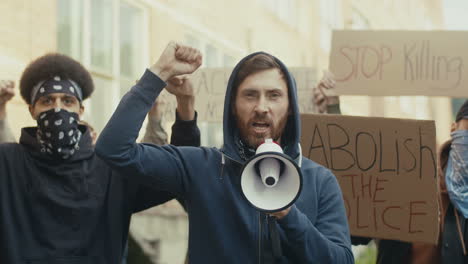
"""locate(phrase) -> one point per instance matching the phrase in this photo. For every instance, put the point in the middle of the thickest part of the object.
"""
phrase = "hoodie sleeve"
(326, 241)
(160, 167)
(185, 132)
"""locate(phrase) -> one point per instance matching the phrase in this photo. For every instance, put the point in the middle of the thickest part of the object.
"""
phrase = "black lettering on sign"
(336, 149)
(320, 144)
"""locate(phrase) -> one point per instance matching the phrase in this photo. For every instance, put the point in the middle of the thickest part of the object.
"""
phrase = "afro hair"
(51, 65)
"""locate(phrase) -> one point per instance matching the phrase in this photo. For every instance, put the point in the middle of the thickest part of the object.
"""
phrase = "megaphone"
(271, 181)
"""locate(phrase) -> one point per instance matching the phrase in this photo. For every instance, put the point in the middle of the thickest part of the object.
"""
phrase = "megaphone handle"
(274, 237)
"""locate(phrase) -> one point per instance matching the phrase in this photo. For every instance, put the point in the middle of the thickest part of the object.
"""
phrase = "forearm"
(186, 107)
(5, 132)
(2, 112)
(154, 133)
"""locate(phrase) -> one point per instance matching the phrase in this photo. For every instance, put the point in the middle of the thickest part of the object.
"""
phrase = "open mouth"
(260, 127)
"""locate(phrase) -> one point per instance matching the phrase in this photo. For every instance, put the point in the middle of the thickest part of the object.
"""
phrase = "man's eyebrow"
(247, 90)
(275, 89)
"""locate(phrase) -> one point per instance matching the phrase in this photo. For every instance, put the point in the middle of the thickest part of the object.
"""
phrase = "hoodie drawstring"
(223, 162)
(299, 159)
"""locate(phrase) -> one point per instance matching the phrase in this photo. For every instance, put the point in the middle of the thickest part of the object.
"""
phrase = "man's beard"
(256, 139)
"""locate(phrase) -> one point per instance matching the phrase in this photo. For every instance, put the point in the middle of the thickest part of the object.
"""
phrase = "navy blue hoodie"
(223, 227)
(69, 211)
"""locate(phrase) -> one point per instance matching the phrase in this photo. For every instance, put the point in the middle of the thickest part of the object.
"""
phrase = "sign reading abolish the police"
(210, 87)
(386, 169)
(392, 63)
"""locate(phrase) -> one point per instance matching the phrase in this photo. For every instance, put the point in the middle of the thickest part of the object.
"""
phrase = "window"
(132, 64)
(102, 36)
(228, 61)
(211, 57)
(98, 110)
(192, 42)
(70, 28)
(359, 21)
(428, 24)
(131, 20)
(330, 18)
(286, 10)
(108, 37)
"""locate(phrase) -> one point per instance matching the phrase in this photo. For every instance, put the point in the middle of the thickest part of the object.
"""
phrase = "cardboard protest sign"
(210, 87)
(394, 63)
(386, 169)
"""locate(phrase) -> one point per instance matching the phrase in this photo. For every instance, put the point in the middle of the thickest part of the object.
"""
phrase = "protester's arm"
(5, 132)
(6, 93)
(324, 103)
(155, 133)
(160, 166)
(185, 131)
(334, 109)
(326, 241)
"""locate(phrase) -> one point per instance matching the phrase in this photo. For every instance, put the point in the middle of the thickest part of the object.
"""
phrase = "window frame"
(115, 91)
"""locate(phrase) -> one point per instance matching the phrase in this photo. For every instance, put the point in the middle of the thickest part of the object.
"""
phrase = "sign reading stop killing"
(386, 169)
(394, 63)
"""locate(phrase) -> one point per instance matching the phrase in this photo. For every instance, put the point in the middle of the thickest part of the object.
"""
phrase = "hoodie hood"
(292, 130)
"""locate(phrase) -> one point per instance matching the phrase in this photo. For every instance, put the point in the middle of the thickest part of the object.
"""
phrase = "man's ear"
(31, 111)
(453, 127)
(81, 112)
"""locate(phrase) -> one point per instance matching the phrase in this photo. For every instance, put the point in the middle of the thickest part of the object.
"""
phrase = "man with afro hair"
(59, 202)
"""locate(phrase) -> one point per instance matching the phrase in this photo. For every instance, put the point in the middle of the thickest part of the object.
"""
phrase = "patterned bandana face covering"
(456, 175)
(58, 132)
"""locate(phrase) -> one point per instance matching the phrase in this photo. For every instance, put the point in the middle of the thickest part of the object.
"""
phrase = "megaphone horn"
(271, 181)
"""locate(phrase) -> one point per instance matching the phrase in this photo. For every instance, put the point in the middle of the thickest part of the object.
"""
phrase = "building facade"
(117, 39)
